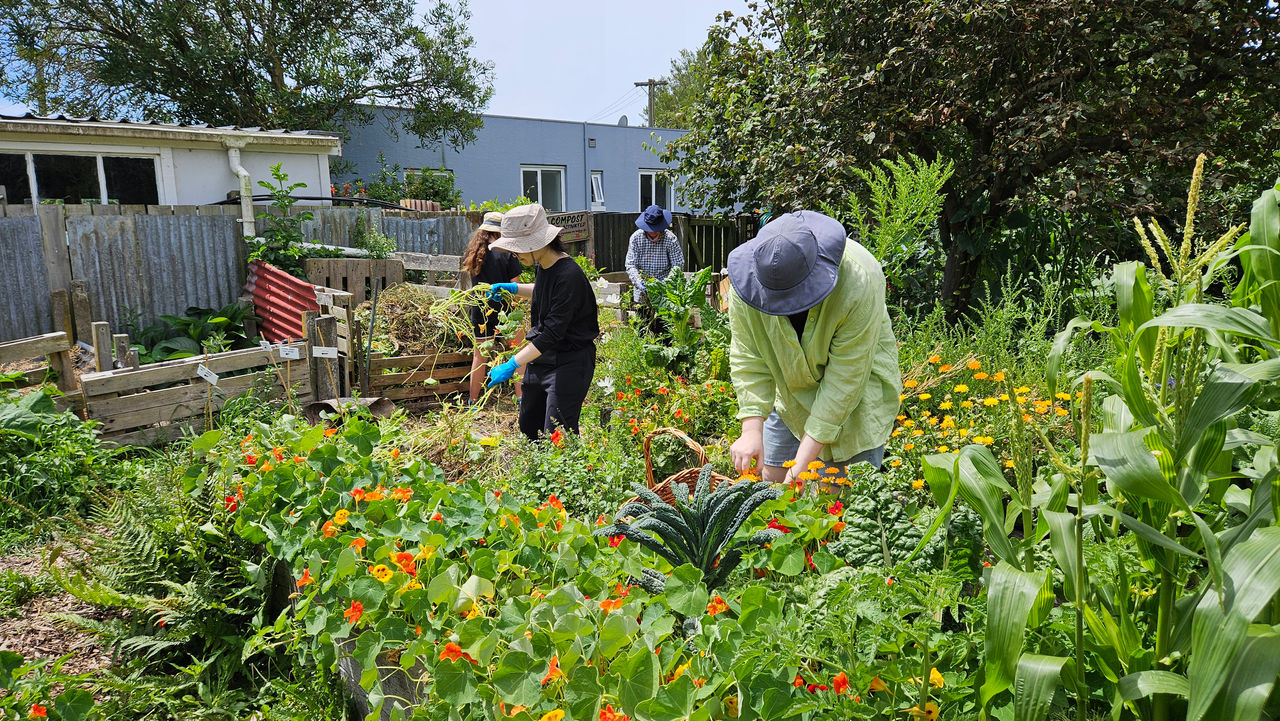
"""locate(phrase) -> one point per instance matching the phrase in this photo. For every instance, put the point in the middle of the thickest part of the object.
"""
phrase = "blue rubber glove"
(502, 373)
(495, 290)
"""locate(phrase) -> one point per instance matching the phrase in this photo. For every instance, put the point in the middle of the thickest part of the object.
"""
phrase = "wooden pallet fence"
(357, 276)
(161, 401)
(436, 265)
(55, 347)
(348, 335)
(406, 377)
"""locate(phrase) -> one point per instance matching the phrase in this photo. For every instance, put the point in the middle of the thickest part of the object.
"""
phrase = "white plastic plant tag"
(207, 374)
(324, 351)
(289, 352)
(264, 345)
(324, 298)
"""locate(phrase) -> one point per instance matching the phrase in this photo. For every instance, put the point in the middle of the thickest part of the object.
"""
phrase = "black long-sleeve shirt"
(564, 309)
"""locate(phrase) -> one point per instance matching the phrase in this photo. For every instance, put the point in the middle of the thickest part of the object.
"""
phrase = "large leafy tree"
(686, 82)
(1096, 108)
(295, 64)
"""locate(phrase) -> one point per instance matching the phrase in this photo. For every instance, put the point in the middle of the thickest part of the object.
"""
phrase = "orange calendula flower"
(306, 578)
(935, 358)
(382, 573)
(973, 365)
(789, 464)
(341, 516)
(717, 605)
(840, 683)
(328, 529)
(980, 376)
(910, 384)
(998, 377)
(354, 612)
(553, 672)
(917, 483)
(944, 368)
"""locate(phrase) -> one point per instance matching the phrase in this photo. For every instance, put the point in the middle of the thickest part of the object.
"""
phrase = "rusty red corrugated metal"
(279, 299)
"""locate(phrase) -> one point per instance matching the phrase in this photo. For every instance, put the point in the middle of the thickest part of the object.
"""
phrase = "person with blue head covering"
(652, 253)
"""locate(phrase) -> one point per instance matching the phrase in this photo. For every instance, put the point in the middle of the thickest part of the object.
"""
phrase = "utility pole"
(651, 83)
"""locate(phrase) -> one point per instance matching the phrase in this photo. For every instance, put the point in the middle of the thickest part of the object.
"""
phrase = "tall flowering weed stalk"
(493, 608)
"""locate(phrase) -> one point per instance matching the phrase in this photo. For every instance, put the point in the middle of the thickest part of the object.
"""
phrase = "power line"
(626, 98)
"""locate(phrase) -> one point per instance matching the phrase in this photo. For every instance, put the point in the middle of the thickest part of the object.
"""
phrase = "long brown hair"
(477, 249)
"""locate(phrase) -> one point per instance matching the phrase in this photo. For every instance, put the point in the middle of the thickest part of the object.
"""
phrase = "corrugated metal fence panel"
(443, 235)
(140, 267)
(25, 308)
(279, 300)
(336, 226)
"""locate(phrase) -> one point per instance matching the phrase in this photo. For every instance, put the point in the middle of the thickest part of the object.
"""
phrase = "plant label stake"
(289, 353)
(324, 351)
(207, 374)
(265, 345)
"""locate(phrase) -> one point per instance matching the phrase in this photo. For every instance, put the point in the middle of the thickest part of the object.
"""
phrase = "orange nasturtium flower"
(405, 561)
(935, 678)
(38, 711)
(382, 573)
(358, 494)
(608, 714)
(453, 652)
(329, 432)
(359, 544)
(877, 685)
(612, 604)
(838, 526)
(437, 517)
(329, 530)
(716, 605)
(554, 671)
(402, 494)
(354, 613)
(306, 578)
(395, 452)
(340, 517)
(840, 683)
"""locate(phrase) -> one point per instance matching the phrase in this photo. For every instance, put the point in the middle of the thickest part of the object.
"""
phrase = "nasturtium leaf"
(455, 682)
(518, 678)
(73, 704)
(685, 593)
(616, 633)
(583, 692)
(639, 680)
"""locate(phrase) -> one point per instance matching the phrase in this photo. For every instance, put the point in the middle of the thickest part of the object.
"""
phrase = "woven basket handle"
(648, 455)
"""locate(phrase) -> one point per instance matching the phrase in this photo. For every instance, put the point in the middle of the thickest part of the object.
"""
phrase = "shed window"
(13, 178)
(69, 178)
(131, 181)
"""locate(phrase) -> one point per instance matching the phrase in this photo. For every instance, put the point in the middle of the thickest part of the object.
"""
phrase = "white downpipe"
(248, 226)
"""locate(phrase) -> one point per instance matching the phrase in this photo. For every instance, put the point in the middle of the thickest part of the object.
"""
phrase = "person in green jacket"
(813, 358)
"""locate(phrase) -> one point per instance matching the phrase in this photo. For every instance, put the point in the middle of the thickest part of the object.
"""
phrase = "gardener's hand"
(495, 290)
(502, 373)
(748, 451)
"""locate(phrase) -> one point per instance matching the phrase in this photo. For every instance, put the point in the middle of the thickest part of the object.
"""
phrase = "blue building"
(564, 165)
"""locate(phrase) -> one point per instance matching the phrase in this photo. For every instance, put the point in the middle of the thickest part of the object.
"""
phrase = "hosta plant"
(698, 530)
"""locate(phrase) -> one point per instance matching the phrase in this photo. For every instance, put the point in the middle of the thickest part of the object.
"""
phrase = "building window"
(79, 178)
(597, 189)
(654, 189)
(543, 184)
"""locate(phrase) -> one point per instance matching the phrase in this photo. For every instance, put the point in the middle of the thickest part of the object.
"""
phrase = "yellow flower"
(1022, 389)
(943, 449)
(917, 483)
(381, 572)
(910, 384)
(962, 388)
(789, 464)
(966, 404)
(900, 397)
(998, 377)
(895, 433)
(1021, 400)
(935, 358)
(930, 712)
(945, 405)
(1004, 396)
(948, 422)
(933, 420)
(908, 423)
(990, 402)
(908, 446)
(815, 465)
(1008, 464)
(917, 432)
(425, 552)
(980, 376)
(963, 432)
(973, 365)
(935, 678)
(925, 396)
(895, 463)
(341, 516)
(412, 585)
(984, 440)
(558, 715)
(1062, 412)
(944, 368)
(680, 670)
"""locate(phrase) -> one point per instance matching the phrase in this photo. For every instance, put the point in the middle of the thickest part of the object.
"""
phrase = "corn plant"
(698, 529)
(1162, 475)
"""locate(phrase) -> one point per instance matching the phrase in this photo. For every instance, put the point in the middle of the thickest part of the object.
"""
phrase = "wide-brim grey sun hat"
(525, 229)
(654, 219)
(791, 265)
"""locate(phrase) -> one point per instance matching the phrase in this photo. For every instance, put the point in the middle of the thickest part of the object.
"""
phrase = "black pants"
(554, 392)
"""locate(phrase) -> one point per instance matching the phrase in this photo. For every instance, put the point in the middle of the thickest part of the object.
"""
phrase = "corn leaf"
(1012, 600)
(1035, 684)
(1217, 635)
(1144, 683)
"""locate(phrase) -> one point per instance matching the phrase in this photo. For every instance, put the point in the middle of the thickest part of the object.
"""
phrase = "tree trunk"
(961, 268)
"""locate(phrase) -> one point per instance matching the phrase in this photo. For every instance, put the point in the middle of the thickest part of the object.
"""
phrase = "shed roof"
(182, 132)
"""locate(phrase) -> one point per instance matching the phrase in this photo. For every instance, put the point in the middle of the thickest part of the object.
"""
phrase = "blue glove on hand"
(502, 373)
(495, 290)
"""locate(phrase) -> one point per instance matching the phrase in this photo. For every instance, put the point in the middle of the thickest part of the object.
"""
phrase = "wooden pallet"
(403, 378)
(162, 401)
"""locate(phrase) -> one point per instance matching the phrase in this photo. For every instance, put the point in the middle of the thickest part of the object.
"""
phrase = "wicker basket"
(665, 489)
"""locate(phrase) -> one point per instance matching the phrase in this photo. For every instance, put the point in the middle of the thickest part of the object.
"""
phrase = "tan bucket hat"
(525, 229)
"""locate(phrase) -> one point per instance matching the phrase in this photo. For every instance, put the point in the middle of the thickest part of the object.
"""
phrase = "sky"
(577, 59)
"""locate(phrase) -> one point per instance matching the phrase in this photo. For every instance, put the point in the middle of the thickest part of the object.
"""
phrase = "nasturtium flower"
(453, 652)
(716, 606)
(608, 714)
(840, 683)
(930, 712)
(402, 494)
(935, 678)
(382, 573)
(306, 578)
(278, 452)
(395, 452)
(774, 524)
(553, 673)
(838, 526)
(615, 541)
(437, 517)
(359, 544)
(230, 503)
(341, 516)
(612, 604)
(328, 529)
(38, 711)
(358, 494)
(836, 508)
(405, 561)
(330, 432)
(557, 715)
(877, 685)
(680, 670)
(250, 459)
(354, 612)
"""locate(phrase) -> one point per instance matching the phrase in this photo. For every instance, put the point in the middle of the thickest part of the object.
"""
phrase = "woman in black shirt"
(561, 352)
(487, 265)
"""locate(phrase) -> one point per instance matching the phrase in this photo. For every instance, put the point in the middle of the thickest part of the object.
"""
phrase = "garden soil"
(35, 635)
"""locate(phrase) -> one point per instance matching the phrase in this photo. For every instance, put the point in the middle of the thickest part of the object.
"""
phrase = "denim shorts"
(780, 446)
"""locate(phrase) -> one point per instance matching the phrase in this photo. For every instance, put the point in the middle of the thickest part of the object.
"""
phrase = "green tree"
(1095, 108)
(272, 63)
(686, 82)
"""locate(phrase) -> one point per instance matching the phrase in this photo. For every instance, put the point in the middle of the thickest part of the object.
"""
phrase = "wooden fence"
(706, 242)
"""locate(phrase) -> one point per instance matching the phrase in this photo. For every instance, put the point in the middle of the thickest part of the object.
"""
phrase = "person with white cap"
(813, 357)
(488, 265)
(561, 353)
